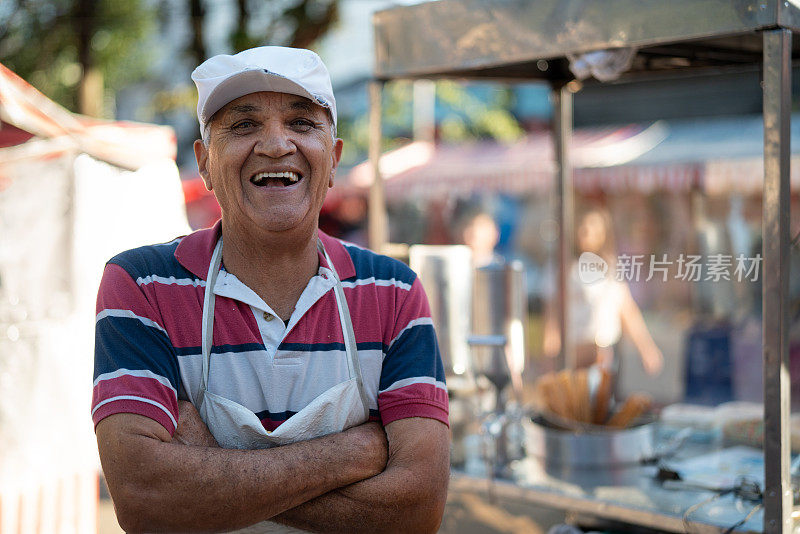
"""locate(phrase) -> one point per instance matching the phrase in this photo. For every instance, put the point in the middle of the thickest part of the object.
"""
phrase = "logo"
(591, 268)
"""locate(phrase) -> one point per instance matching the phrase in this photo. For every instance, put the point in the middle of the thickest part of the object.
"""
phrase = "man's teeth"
(262, 177)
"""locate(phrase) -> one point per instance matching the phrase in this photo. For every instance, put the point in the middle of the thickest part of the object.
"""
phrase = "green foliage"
(40, 41)
(180, 99)
(118, 42)
(477, 118)
(296, 23)
(397, 123)
(355, 133)
(461, 116)
(398, 108)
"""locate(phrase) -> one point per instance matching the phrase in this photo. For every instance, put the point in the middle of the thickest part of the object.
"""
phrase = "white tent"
(74, 191)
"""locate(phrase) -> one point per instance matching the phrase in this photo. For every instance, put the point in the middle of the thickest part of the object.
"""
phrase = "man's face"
(270, 160)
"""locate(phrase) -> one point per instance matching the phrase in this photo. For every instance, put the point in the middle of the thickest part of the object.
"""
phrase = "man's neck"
(277, 267)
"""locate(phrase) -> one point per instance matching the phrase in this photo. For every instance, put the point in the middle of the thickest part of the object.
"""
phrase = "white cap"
(297, 71)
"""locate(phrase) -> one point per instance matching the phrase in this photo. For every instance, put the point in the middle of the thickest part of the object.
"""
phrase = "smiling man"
(260, 374)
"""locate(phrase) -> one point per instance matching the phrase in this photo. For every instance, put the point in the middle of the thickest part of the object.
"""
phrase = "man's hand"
(191, 428)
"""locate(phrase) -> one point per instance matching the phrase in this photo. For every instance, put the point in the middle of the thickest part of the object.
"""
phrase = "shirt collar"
(339, 256)
(195, 250)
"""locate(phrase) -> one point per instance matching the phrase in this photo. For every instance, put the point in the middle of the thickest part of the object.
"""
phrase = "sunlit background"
(679, 170)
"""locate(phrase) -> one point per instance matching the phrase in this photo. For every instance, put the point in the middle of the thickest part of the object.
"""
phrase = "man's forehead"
(263, 100)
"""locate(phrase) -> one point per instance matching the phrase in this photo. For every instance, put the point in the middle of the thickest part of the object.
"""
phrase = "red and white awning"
(53, 129)
(604, 160)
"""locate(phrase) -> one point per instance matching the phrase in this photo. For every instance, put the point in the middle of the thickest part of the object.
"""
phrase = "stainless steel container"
(446, 274)
(592, 447)
(498, 311)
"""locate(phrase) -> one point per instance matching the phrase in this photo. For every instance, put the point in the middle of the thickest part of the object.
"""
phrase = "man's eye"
(243, 125)
(303, 125)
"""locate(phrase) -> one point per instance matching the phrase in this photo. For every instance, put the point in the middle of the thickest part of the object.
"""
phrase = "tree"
(76, 51)
(461, 115)
(296, 23)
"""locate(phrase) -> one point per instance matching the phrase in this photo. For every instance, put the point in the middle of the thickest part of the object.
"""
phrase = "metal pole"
(424, 110)
(562, 135)
(377, 226)
(775, 248)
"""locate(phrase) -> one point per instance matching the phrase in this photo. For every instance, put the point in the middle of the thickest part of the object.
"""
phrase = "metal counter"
(629, 495)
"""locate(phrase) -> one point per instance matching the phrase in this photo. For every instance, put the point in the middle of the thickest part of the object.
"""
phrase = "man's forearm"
(158, 485)
(385, 503)
(409, 496)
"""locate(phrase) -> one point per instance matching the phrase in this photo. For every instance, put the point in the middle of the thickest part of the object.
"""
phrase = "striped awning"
(744, 176)
(605, 160)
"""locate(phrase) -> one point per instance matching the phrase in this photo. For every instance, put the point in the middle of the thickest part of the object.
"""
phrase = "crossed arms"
(361, 479)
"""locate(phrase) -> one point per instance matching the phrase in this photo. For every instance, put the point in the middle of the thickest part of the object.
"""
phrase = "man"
(256, 335)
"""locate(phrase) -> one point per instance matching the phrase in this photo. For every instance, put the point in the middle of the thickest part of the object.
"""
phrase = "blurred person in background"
(260, 369)
(601, 310)
(481, 235)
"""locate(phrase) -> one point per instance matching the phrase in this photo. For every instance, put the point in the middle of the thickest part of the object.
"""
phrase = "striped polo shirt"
(148, 336)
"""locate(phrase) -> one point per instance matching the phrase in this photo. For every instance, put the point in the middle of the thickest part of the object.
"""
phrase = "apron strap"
(350, 346)
(208, 317)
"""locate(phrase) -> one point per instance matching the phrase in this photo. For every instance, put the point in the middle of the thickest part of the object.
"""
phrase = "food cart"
(517, 40)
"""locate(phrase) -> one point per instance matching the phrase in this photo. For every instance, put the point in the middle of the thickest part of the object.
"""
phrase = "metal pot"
(590, 446)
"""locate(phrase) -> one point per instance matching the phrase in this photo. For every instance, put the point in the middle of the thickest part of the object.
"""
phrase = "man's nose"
(274, 141)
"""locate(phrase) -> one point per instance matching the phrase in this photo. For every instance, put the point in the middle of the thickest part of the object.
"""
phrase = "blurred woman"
(602, 309)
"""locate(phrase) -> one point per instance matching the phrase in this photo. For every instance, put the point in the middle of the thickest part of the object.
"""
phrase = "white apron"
(343, 406)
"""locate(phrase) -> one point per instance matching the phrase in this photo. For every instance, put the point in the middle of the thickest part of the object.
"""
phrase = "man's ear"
(201, 155)
(336, 156)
